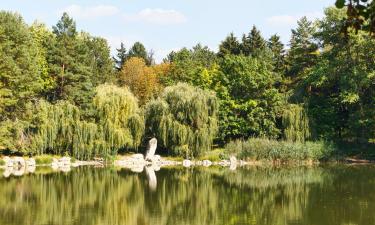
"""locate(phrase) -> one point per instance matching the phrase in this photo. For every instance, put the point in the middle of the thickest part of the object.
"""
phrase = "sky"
(166, 25)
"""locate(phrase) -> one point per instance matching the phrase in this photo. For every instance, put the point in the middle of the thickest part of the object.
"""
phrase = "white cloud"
(91, 12)
(157, 16)
(291, 20)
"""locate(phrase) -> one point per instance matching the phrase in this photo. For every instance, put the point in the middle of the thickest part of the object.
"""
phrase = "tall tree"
(138, 50)
(21, 77)
(249, 103)
(303, 49)
(278, 53)
(253, 43)
(341, 85)
(230, 46)
(99, 59)
(121, 56)
(69, 65)
(140, 78)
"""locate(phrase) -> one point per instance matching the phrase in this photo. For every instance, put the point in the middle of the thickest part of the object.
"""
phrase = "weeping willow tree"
(296, 123)
(60, 129)
(121, 124)
(184, 119)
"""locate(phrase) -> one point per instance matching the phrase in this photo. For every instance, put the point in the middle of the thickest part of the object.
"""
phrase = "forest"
(62, 92)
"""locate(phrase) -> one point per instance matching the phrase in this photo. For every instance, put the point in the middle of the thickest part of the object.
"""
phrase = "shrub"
(43, 159)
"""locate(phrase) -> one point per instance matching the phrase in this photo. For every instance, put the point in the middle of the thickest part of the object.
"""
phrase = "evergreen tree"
(138, 50)
(99, 59)
(253, 43)
(230, 46)
(278, 53)
(303, 49)
(69, 65)
(121, 56)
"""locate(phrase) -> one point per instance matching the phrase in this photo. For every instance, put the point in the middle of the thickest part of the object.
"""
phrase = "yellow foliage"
(143, 80)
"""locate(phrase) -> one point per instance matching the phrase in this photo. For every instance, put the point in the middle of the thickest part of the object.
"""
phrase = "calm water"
(92, 196)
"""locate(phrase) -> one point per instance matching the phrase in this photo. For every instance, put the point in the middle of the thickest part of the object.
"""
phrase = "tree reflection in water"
(194, 196)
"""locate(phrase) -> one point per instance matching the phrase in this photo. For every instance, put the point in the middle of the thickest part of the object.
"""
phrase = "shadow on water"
(83, 196)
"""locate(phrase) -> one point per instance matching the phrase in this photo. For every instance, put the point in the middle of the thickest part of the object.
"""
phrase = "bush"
(215, 155)
(266, 149)
(43, 159)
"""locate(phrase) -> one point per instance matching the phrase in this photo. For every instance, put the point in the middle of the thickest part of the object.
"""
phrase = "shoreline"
(137, 161)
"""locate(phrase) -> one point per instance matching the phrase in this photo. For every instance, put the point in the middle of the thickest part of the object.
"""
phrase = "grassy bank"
(265, 149)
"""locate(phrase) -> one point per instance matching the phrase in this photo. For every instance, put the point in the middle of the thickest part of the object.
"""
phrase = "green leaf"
(340, 4)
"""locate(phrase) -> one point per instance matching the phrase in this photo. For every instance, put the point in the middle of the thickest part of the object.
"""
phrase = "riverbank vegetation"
(62, 93)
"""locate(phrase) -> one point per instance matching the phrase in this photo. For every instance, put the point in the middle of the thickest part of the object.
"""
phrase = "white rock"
(30, 162)
(8, 171)
(64, 161)
(233, 160)
(186, 163)
(151, 149)
(137, 157)
(18, 162)
(156, 159)
(151, 177)
(8, 161)
(55, 164)
(137, 169)
(31, 169)
(19, 172)
(206, 163)
(65, 168)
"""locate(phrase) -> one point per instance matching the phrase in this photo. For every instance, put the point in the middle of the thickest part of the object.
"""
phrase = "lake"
(334, 194)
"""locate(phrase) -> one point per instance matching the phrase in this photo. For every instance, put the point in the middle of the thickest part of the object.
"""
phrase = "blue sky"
(166, 25)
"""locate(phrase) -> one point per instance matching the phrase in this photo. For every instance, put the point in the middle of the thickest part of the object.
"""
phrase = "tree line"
(61, 92)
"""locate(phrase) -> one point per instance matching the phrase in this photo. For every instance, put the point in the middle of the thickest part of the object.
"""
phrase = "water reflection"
(194, 196)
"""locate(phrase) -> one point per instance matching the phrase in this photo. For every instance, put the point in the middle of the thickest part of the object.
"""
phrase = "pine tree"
(256, 42)
(303, 50)
(278, 52)
(69, 65)
(121, 56)
(138, 50)
(230, 46)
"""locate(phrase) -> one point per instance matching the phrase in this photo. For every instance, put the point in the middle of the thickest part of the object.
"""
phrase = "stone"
(137, 157)
(7, 172)
(206, 163)
(137, 169)
(233, 160)
(186, 163)
(64, 161)
(18, 162)
(151, 149)
(18, 172)
(8, 161)
(151, 177)
(31, 162)
(30, 169)
(55, 164)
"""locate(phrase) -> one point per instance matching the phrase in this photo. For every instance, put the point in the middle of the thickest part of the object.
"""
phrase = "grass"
(2, 163)
(272, 150)
(44, 159)
(214, 155)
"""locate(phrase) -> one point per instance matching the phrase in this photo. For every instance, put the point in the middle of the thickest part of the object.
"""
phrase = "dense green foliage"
(183, 119)
(62, 93)
(60, 129)
(266, 149)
